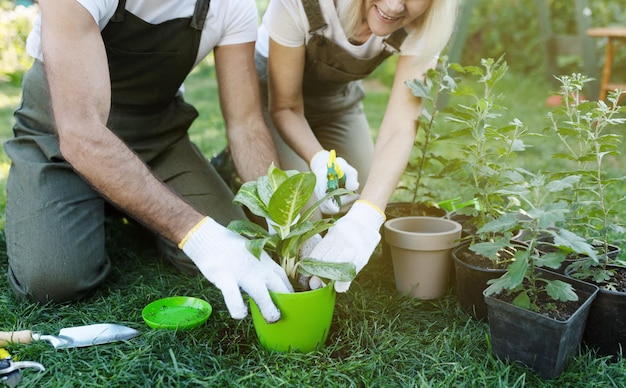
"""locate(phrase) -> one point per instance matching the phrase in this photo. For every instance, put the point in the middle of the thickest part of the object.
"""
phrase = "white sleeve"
(286, 22)
(100, 10)
(242, 23)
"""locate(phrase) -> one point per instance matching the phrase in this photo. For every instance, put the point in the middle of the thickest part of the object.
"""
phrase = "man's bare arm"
(249, 138)
(77, 71)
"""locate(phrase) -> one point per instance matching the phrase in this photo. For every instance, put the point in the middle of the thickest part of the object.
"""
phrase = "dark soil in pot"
(472, 272)
(403, 209)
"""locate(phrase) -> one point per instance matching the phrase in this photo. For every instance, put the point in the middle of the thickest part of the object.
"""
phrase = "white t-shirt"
(228, 21)
(285, 21)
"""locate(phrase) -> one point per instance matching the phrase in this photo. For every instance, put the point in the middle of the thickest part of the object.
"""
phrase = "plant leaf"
(550, 260)
(523, 300)
(247, 196)
(500, 225)
(517, 269)
(565, 238)
(290, 197)
(256, 246)
(276, 177)
(248, 229)
(560, 290)
(343, 272)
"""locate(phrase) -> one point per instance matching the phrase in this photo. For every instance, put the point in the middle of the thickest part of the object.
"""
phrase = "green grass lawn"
(379, 338)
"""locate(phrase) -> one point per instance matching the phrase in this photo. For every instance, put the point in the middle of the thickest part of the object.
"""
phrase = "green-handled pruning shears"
(335, 176)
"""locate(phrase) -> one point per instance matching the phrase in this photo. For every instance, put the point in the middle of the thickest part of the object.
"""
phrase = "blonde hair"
(432, 30)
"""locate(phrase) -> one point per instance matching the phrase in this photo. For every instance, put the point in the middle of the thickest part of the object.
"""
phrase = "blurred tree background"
(512, 28)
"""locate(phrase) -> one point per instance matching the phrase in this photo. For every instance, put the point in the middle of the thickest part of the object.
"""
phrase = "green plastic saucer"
(177, 313)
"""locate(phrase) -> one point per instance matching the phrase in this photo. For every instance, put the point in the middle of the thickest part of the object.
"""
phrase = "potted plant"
(583, 129)
(536, 316)
(483, 169)
(416, 236)
(306, 315)
(423, 159)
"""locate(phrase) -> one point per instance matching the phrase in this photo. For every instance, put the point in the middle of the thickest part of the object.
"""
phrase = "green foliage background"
(512, 28)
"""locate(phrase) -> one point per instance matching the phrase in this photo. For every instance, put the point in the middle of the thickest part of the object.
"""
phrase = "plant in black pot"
(590, 146)
(536, 316)
(483, 170)
(280, 197)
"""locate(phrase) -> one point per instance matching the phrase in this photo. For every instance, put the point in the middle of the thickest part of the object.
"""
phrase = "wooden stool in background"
(616, 38)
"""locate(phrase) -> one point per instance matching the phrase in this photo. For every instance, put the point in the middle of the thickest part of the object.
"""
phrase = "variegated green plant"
(280, 197)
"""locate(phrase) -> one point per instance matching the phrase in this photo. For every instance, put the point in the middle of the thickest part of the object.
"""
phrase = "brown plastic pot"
(420, 253)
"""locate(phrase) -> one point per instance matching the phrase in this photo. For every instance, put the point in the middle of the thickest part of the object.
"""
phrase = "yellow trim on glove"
(188, 235)
(372, 205)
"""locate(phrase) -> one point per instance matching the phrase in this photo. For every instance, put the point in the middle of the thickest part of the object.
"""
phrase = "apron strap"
(118, 16)
(314, 14)
(395, 40)
(199, 14)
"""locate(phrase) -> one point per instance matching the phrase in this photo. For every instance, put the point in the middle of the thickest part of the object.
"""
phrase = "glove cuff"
(366, 213)
(203, 238)
(320, 155)
(183, 242)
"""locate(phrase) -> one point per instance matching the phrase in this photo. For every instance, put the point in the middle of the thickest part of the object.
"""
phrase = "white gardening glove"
(319, 167)
(222, 257)
(352, 239)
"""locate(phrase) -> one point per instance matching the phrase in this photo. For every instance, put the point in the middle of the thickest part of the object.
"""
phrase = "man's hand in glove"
(352, 239)
(319, 167)
(222, 257)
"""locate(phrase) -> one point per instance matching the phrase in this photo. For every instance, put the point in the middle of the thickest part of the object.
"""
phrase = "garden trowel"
(73, 337)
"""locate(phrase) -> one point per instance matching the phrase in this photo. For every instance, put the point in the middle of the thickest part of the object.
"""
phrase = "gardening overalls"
(332, 94)
(55, 221)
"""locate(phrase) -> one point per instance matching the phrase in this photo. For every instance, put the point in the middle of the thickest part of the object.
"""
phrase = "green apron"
(55, 221)
(332, 95)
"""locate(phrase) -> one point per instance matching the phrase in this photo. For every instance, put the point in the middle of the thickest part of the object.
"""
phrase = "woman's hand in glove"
(319, 168)
(222, 257)
(352, 239)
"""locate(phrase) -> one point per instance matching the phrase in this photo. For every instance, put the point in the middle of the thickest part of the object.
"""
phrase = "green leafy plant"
(425, 162)
(485, 166)
(280, 197)
(584, 131)
(538, 194)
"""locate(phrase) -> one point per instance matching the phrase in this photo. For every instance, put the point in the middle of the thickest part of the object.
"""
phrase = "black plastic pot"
(605, 332)
(471, 281)
(541, 343)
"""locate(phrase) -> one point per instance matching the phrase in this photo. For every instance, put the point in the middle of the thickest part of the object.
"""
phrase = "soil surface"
(561, 311)
(403, 209)
(473, 258)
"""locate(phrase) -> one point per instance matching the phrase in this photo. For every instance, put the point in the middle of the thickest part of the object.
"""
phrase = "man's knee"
(58, 281)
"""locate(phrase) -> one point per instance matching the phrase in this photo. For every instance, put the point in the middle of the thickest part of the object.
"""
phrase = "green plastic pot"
(304, 323)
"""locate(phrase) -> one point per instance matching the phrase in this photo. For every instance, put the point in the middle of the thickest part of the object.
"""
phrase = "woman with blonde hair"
(310, 57)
